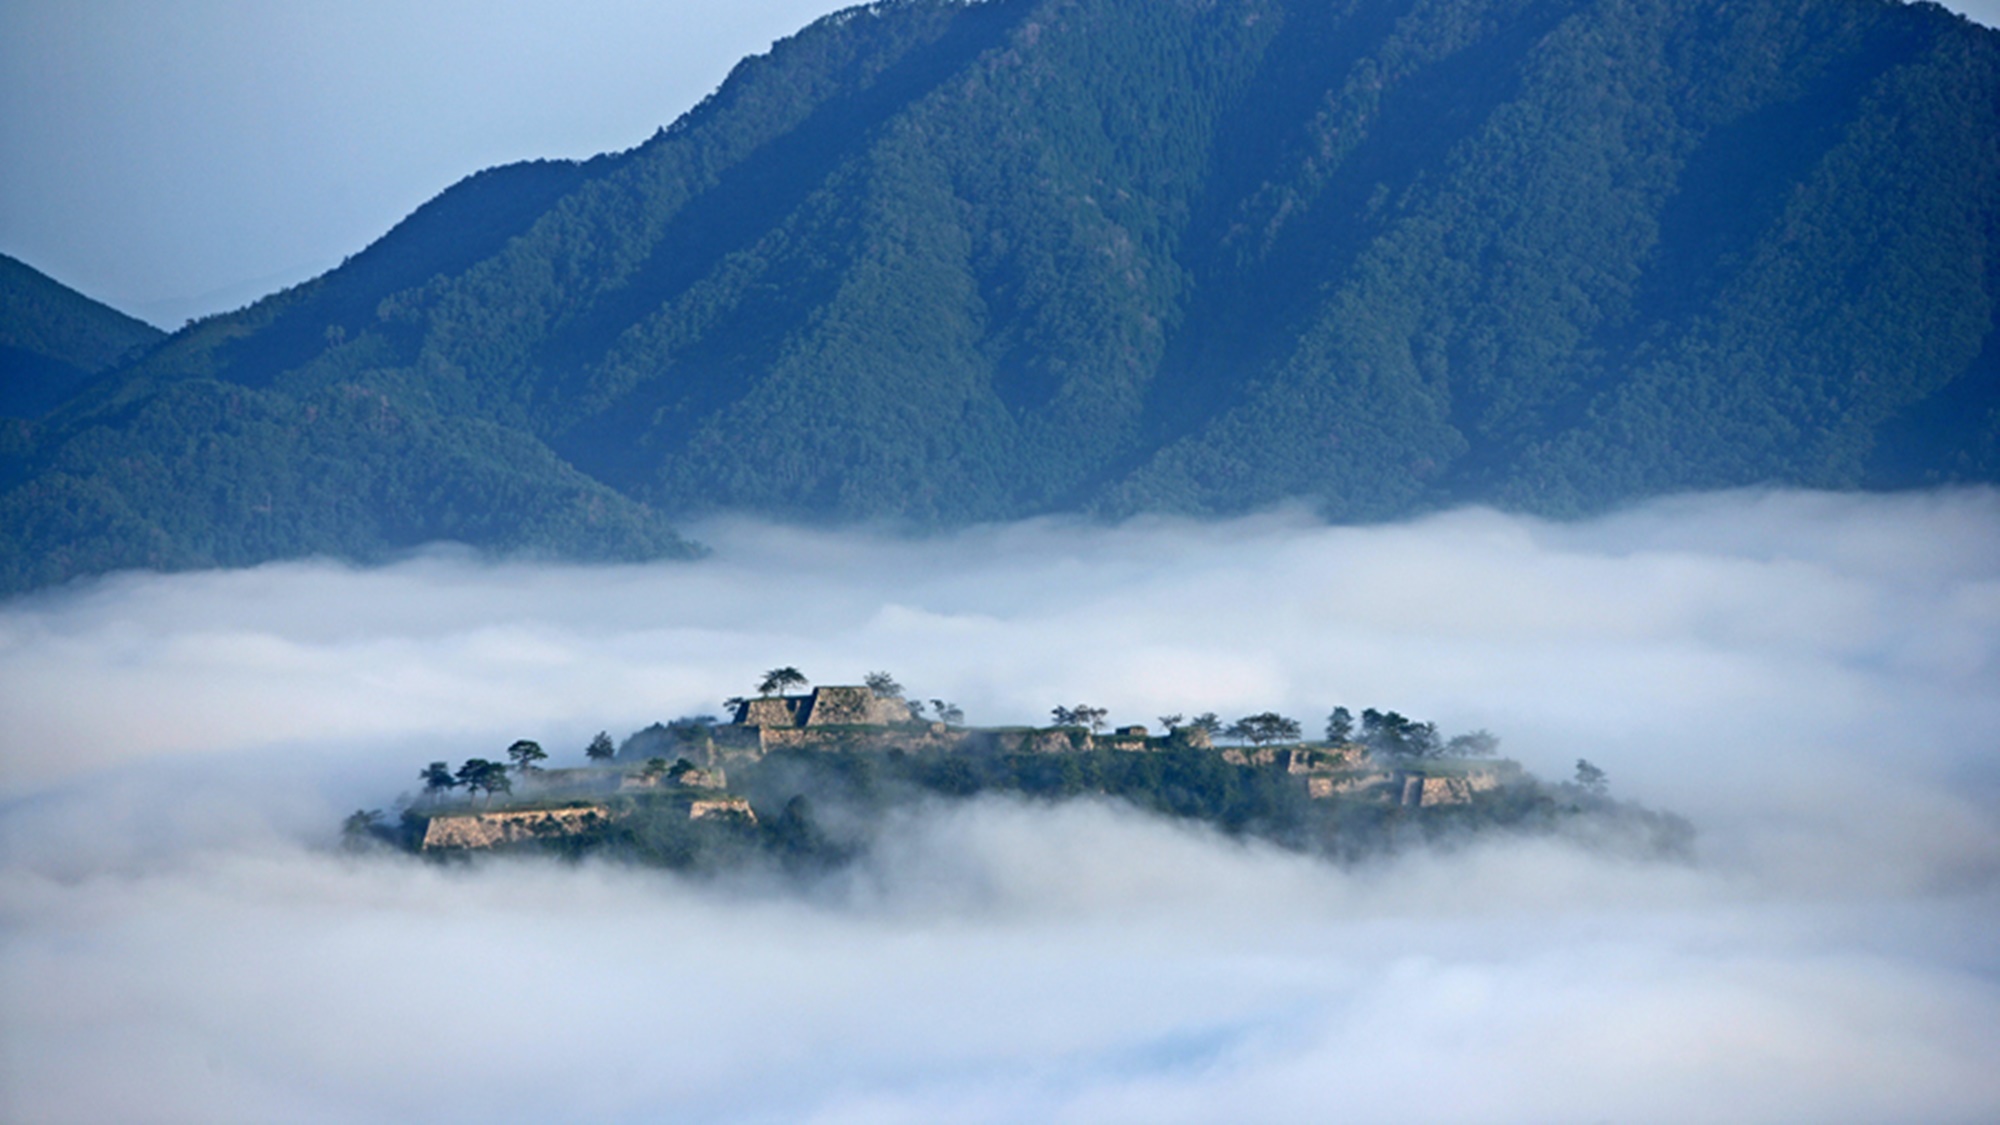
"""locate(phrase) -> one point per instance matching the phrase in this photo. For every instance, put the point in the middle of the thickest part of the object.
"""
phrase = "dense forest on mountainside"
(52, 338)
(941, 262)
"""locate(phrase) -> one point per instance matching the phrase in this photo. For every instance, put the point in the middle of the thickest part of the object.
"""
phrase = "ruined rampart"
(910, 738)
(773, 711)
(853, 706)
(1423, 789)
(1323, 786)
(491, 829)
(825, 707)
(708, 807)
(837, 718)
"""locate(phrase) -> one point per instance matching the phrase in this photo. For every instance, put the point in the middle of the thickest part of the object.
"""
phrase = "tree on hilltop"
(1340, 725)
(524, 754)
(1423, 740)
(600, 748)
(883, 684)
(362, 828)
(1265, 727)
(1592, 779)
(478, 773)
(1387, 732)
(437, 780)
(1081, 715)
(778, 680)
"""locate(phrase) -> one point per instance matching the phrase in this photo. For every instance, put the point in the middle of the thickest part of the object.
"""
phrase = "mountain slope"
(171, 468)
(52, 338)
(941, 263)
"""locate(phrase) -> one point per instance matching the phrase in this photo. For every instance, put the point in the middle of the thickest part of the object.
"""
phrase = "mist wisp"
(1807, 677)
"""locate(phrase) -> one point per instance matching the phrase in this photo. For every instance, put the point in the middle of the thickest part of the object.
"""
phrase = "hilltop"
(806, 782)
(53, 339)
(938, 262)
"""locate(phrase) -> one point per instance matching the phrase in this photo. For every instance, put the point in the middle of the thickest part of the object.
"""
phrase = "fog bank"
(1808, 677)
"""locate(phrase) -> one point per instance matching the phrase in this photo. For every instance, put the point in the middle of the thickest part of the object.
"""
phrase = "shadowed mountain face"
(53, 338)
(942, 263)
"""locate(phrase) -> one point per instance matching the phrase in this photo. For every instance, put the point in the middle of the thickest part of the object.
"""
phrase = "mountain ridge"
(941, 263)
(53, 339)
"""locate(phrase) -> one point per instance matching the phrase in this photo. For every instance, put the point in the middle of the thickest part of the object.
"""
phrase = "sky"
(185, 157)
(1806, 677)
(180, 158)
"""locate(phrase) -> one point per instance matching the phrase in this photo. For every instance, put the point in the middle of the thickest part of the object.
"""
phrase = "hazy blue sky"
(183, 157)
(176, 158)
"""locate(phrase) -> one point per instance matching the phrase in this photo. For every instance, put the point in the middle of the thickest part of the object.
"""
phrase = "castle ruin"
(859, 718)
(824, 707)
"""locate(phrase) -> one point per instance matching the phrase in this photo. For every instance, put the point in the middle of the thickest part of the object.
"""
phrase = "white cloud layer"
(1809, 677)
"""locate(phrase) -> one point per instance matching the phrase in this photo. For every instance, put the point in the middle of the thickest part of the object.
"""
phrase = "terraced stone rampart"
(852, 706)
(491, 829)
(721, 806)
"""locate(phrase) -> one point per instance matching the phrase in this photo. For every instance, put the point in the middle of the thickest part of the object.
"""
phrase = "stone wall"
(771, 738)
(1404, 787)
(826, 707)
(1061, 740)
(1443, 791)
(853, 706)
(772, 711)
(1325, 759)
(489, 829)
(704, 779)
(909, 739)
(1322, 786)
(1457, 790)
(721, 806)
(1299, 759)
(1422, 790)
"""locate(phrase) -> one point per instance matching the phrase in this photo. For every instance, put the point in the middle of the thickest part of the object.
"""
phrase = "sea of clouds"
(1812, 679)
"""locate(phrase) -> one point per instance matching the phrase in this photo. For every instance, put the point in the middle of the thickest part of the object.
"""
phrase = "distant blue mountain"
(943, 262)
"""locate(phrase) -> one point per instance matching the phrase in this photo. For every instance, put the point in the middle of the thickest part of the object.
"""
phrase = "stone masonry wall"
(772, 711)
(486, 830)
(853, 706)
(721, 806)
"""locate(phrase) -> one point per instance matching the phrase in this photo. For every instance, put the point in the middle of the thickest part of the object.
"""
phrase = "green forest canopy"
(942, 263)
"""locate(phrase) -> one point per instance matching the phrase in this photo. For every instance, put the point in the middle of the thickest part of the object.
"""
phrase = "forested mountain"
(52, 338)
(944, 262)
